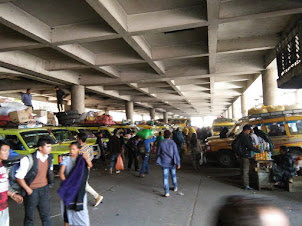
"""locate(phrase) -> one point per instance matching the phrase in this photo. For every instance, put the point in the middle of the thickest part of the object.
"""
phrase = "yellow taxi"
(219, 124)
(282, 128)
(24, 142)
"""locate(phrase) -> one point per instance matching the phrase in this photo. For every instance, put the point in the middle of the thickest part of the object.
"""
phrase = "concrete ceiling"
(186, 57)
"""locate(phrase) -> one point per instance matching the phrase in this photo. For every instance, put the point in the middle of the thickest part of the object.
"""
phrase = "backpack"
(12, 173)
(141, 147)
(236, 146)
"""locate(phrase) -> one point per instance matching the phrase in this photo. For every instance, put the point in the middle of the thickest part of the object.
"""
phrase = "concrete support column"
(152, 113)
(270, 87)
(234, 112)
(226, 113)
(106, 112)
(243, 105)
(299, 98)
(78, 98)
(165, 116)
(129, 110)
(230, 113)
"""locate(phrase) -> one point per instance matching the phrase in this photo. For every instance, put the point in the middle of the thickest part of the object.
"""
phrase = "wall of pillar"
(78, 98)
(299, 98)
(129, 111)
(234, 112)
(230, 113)
(165, 117)
(152, 113)
(270, 87)
(244, 105)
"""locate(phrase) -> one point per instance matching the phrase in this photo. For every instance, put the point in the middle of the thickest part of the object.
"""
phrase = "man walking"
(243, 147)
(81, 138)
(27, 98)
(145, 155)
(115, 149)
(60, 96)
(35, 183)
(132, 152)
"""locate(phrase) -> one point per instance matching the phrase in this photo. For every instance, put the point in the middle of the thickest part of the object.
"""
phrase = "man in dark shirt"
(60, 96)
(131, 147)
(99, 142)
(247, 147)
(114, 147)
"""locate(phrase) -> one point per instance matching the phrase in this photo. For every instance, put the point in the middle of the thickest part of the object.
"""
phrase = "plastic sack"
(90, 114)
(4, 111)
(42, 119)
(14, 105)
(119, 163)
(83, 116)
(145, 133)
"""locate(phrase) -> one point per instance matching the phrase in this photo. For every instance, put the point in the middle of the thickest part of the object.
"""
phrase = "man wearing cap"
(245, 154)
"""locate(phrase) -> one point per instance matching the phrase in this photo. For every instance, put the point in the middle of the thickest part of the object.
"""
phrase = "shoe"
(248, 188)
(110, 171)
(290, 180)
(142, 175)
(98, 200)
(167, 195)
(118, 171)
(175, 189)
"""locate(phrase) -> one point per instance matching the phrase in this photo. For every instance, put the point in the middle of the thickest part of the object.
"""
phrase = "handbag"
(119, 163)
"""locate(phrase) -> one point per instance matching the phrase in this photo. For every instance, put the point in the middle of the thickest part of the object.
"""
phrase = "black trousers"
(132, 156)
(40, 199)
(60, 105)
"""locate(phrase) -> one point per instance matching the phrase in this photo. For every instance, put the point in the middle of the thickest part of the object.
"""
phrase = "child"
(35, 183)
(74, 174)
(4, 192)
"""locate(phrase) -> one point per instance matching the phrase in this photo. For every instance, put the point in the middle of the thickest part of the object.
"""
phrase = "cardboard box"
(29, 111)
(40, 113)
(19, 116)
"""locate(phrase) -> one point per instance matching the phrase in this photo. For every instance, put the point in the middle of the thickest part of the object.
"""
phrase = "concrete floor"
(129, 200)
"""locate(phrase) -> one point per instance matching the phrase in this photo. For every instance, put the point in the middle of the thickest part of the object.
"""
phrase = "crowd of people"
(34, 174)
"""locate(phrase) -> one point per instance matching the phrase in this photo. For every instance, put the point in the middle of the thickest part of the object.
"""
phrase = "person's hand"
(85, 156)
(178, 167)
(17, 198)
(29, 191)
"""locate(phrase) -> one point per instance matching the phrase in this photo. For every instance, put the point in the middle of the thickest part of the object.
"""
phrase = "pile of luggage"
(97, 118)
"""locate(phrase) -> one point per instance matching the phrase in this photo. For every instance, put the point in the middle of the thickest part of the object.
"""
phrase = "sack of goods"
(145, 133)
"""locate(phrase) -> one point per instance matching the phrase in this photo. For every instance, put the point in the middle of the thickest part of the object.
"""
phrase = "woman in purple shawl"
(74, 173)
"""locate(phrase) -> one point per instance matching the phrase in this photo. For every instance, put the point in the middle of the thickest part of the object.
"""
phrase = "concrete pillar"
(165, 116)
(234, 112)
(270, 87)
(106, 112)
(78, 98)
(129, 110)
(152, 113)
(299, 98)
(243, 105)
(230, 114)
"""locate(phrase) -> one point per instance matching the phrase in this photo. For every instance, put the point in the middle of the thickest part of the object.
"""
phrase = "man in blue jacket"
(168, 158)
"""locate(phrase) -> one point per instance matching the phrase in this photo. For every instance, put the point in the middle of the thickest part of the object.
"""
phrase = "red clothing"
(3, 188)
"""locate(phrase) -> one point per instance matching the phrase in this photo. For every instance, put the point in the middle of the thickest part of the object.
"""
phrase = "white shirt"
(255, 139)
(24, 164)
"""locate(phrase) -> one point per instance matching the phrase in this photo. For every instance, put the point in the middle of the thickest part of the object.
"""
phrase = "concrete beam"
(14, 41)
(18, 20)
(82, 32)
(176, 19)
(247, 44)
(117, 58)
(21, 85)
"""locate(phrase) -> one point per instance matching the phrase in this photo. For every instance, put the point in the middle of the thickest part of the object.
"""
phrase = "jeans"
(4, 217)
(145, 166)
(40, 198)
(113, 160)
(131, 157)
(245, 168)
(166, 171)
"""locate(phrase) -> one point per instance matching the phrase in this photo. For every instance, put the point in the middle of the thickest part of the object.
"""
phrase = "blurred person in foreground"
(250, 211)
(168, 158)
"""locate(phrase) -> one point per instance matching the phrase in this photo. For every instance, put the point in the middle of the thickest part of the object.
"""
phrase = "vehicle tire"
(68, 117)
(72, 112)
(294, 152)
(226, 159)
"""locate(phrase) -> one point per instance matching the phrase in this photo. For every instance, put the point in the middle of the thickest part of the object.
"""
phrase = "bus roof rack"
(274, 114)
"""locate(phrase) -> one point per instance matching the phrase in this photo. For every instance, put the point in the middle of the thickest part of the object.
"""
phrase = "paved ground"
(130, 200)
